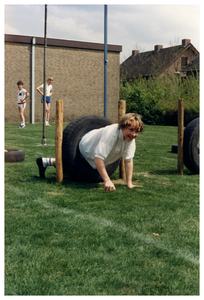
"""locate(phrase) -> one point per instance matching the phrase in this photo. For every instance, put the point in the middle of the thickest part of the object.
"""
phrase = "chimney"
(158, 47)
(185, 42)
(134, 52)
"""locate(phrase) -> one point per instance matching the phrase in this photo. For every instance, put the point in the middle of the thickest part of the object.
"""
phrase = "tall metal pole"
(33, 83)
(44, 89)
(105, 59)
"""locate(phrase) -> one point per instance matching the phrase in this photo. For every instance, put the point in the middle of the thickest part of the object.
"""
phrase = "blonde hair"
(127, 120)
(50, 78)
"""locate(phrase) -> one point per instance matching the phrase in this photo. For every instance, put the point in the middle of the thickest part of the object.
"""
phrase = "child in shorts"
(22, 96)
(48, 95)
(103, 146)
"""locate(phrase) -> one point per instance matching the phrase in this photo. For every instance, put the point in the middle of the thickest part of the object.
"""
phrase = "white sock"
(47, 162)
(22, 123)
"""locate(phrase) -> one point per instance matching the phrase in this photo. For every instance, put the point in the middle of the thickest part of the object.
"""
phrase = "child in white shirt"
(22, 96)
(48, 95)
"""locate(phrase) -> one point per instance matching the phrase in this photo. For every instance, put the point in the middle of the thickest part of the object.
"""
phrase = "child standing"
(22, 96)
(48, 95)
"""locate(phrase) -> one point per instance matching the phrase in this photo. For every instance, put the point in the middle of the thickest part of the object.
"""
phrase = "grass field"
(76, 239)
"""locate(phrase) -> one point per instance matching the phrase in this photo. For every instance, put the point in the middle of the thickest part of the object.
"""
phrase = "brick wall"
(78, 71)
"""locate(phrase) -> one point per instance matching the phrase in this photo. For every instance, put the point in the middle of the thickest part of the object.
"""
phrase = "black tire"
(14, 155)
(174, 148)
(191, 149)
(73, 164)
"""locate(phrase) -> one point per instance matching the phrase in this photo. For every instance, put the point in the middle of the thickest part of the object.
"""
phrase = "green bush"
(156, 99)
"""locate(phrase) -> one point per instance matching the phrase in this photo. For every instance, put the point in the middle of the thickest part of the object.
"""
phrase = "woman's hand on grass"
(109, 186)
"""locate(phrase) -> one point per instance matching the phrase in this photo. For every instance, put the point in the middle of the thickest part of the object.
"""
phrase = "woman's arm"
(129, 171)
(109, 186)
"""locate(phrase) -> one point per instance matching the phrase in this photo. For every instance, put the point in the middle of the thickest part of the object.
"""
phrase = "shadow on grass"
(171, 172)
(68, 182)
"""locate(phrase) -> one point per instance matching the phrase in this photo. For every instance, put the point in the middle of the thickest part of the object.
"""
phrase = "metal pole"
(105, 59)
(33, 83)
(44, 92)
(121, 113)
(58, 140)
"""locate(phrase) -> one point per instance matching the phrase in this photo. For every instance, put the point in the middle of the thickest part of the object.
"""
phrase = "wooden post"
(58, 140)
(121, 112)
(180, 135)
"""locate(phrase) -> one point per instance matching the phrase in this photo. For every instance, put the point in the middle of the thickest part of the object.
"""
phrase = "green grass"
(76, 239)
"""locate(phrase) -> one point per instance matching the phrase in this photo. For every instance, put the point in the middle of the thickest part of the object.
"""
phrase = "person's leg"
(47, 114)
(47, 111)
(43, 163)
(21, 113)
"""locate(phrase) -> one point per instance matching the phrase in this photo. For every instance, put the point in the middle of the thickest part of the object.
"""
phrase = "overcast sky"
(136, 26)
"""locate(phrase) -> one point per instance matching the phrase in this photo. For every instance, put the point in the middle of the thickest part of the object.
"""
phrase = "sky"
(134, 27)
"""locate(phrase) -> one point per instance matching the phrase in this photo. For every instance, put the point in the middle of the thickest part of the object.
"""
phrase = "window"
(184, 61)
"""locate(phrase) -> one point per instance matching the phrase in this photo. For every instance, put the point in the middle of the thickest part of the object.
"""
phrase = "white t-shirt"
(106, 143)
(21, 95)
(48, 89)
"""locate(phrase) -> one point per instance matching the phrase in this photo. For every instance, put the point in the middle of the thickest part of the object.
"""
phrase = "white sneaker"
(21, 126)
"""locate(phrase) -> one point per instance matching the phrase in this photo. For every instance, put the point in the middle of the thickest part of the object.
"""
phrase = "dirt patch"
(167, 183)
(123, 182)
(54, 193)
(145, 174)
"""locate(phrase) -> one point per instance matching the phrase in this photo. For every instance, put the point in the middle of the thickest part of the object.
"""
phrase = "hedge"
(156, 99)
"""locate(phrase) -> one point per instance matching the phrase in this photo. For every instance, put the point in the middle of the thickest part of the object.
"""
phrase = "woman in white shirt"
(101, 147)
(104, 146)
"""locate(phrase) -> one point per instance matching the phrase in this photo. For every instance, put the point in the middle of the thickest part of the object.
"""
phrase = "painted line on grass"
(179, 253)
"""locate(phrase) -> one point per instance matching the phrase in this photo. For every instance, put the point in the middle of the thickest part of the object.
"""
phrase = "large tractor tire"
(191, 150)
(73, 163)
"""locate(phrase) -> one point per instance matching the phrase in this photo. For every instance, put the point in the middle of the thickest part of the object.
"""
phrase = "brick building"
(78, 71)
(158, 62)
